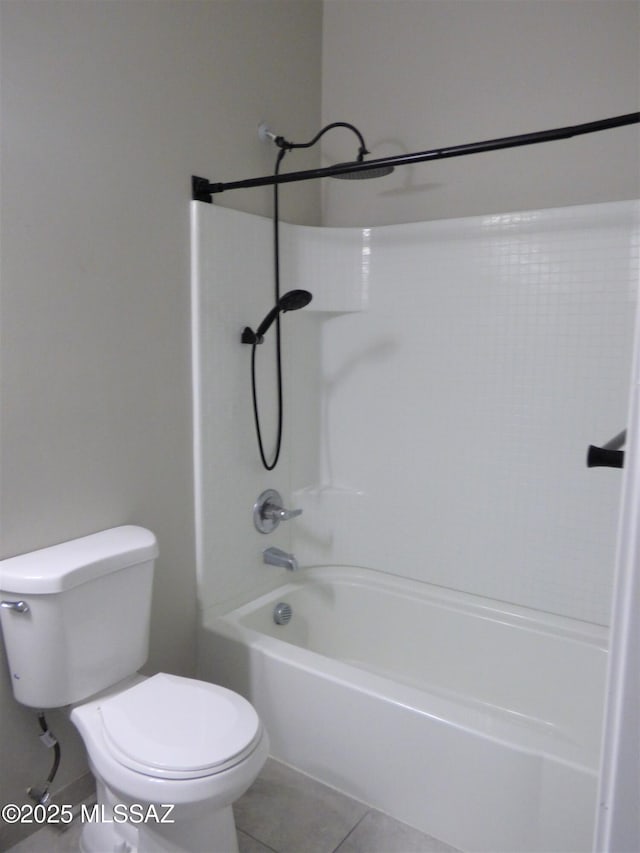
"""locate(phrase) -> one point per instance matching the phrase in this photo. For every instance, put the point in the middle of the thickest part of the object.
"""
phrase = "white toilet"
(170, 754)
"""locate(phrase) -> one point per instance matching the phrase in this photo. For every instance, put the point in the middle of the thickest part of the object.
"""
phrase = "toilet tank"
(87, 622)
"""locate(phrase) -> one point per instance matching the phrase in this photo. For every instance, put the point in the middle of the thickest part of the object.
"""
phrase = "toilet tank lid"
(61, 567)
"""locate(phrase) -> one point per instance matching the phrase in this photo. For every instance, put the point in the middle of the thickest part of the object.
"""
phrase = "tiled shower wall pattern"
(438, 422)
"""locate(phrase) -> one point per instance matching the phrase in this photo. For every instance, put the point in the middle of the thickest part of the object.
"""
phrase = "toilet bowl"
(170, 754)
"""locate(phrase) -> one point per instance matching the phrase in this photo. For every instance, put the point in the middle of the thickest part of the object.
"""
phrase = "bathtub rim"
(567, 627)
(525, 734)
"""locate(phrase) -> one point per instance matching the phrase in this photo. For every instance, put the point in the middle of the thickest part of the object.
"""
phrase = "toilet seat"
(170, 727)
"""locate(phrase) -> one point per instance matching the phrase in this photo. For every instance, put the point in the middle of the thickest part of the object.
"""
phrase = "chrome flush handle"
(16, 606)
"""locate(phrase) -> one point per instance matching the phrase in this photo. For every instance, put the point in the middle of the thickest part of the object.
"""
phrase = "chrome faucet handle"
(273, 511)
(268, 511)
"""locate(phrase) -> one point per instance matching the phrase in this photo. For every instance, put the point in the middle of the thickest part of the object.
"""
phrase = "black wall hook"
(609, 455)
(600, 457)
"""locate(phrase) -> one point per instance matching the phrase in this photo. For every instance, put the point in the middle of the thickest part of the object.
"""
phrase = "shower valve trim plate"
(268, 511)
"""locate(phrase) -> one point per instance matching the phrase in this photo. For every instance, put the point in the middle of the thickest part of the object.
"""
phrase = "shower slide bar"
(202, 189)
(609, 455)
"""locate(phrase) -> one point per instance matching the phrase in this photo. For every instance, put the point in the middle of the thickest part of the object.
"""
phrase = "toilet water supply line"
(42, 796)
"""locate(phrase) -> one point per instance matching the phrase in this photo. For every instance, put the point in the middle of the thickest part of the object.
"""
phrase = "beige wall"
(108, 108)
(420, 74)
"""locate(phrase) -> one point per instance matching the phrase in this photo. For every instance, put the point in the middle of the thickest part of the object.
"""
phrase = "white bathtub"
(476, 722)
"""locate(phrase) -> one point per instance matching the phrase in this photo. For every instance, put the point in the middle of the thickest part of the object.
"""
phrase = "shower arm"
(285, 145)
(203, 189)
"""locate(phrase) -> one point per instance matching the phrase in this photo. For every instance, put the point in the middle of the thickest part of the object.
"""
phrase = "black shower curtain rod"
(203, 189)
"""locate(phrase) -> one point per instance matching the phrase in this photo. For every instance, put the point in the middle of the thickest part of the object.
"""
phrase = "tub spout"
(278, 557)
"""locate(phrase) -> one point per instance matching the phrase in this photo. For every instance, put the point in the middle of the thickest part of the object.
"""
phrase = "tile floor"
(287, 812)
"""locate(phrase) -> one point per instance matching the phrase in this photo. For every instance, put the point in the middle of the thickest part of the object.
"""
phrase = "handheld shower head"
(291, 301)
(294, 299)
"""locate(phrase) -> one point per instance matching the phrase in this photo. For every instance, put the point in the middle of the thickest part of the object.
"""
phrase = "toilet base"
(213, 831)
(215, 835)
(103, 838)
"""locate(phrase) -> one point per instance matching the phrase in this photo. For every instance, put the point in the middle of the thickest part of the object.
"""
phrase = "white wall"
(232, 287)
(452, 408)
(441, 391)
(414, 75)
(107, 110)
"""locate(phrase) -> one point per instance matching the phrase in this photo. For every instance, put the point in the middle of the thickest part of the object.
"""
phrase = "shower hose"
(276, 276)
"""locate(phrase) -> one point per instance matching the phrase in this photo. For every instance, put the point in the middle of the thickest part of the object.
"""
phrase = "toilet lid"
(179, 728)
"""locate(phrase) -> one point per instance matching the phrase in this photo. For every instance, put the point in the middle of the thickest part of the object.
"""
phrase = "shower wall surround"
(442, 389)
(456, 408)
(231, 288)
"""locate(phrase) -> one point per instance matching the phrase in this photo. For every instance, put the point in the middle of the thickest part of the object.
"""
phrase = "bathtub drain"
(282, 613)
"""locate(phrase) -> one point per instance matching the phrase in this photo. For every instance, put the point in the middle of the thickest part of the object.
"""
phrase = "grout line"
(257, 840)
(352, 830)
